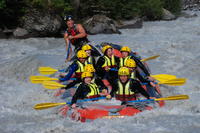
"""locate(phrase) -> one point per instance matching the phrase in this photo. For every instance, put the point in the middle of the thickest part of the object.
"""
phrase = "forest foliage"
(11, 11)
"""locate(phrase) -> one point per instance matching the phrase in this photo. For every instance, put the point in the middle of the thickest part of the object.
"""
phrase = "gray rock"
(20, 33)
(7, 33)
(42, 24)
(167, 15)
(193, 5)
(130, 24)
(100, 24)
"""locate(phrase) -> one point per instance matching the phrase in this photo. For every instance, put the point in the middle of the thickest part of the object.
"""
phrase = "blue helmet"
(68, 17)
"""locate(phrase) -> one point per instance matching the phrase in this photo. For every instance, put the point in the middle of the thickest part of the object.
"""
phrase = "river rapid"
(177, 42)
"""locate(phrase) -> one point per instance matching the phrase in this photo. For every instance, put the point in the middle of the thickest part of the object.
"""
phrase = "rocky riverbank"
(37, 23)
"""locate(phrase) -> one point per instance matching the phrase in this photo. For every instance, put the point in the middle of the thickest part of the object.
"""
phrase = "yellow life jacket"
(124, 90)
(81, 67)
(94, 90)
(93, 80)
(123, 60)
(90, 60)
(133, 75)
(109, 62)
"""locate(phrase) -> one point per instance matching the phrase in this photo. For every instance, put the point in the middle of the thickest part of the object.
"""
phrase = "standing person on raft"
(75, 35)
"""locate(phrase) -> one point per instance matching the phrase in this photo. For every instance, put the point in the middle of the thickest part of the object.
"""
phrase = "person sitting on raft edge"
(105, 64)
(87, 89)
(126, 88)
(76, 68)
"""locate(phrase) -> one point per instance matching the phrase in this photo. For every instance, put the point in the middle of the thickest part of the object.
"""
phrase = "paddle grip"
(86, 100)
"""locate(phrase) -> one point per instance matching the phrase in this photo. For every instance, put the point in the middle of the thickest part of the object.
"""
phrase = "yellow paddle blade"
(174, 82)
(47, 70)
(46, 105)
(40, 79)
(163, 77)
(178, 97)
(52, 85)
(150, 58)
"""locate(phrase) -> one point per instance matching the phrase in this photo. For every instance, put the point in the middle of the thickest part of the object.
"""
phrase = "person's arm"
(100, 83)
(66, 35)
(72, 69)
(114, 89)
(80, 93)
(81, 31)
(99, 70)
(94, 62)
(141, 78)
(117, 61)
(71, 84)
(136, 86)
(141, 65)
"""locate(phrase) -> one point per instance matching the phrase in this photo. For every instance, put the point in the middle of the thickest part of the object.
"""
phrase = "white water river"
(178, 43)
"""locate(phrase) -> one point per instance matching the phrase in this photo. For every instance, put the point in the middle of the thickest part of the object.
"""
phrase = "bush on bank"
(11, 11)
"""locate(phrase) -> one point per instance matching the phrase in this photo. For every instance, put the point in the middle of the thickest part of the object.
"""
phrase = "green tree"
(10, 12)
(152, 9)
(2, 4)
(123, 9)
(58, 6)
(172, 5)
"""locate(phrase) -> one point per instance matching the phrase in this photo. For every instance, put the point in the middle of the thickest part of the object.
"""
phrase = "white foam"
(176, 41)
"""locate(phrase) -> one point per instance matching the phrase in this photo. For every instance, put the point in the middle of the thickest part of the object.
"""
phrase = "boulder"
(193, 5)
(100, 24)
(20, 33)
(167, 15)
(8, 33)
(130, 24)
(42, 24)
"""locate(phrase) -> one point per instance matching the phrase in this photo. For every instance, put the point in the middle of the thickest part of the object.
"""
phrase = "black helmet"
(68, 17)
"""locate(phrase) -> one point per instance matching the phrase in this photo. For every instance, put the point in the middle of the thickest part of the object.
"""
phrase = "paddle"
(55, 85)
(40, 79)
(150, 58)
(177, 97)
(42, 106)
(159, 77)
(174, 82)
(48, 70)
(69, 52)
(52, 85)
(163, 77)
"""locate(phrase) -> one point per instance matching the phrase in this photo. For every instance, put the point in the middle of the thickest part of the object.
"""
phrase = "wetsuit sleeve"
(117, 61)
(94, 62)
(99, 69)
(80, 93)
(100, 83)
(141, 78)
(114, 88)
(71, 84)
(136, 87)
(72, 69)
(141, 65)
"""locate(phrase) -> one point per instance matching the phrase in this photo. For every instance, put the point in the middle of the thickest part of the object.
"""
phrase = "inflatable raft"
(99, 111)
